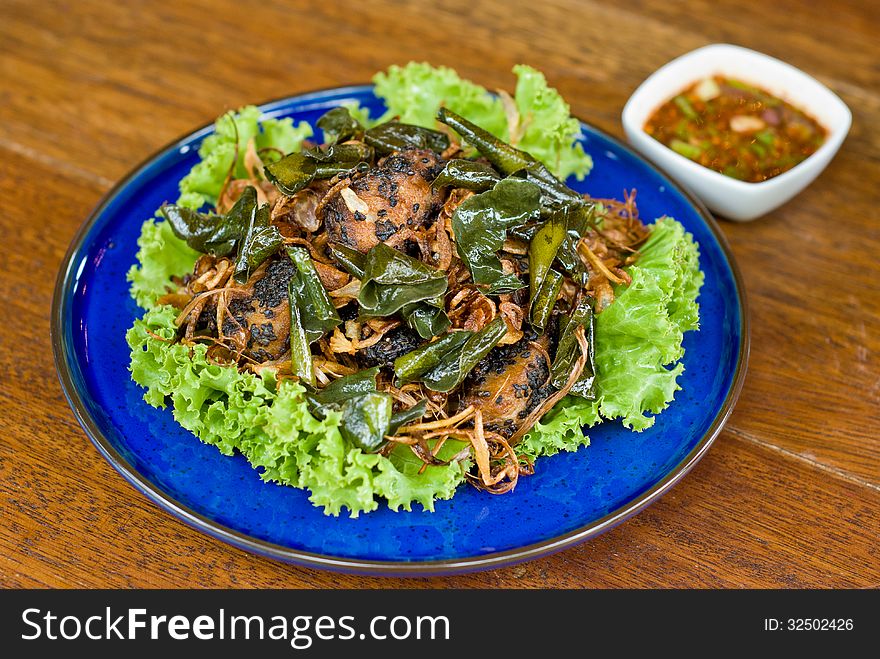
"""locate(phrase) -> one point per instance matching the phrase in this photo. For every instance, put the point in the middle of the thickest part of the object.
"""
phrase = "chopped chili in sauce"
(735, 128)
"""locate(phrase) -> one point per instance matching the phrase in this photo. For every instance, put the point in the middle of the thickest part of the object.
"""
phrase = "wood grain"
(787, 497)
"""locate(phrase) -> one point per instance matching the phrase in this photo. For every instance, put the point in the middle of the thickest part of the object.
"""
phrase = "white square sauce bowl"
(726, 196)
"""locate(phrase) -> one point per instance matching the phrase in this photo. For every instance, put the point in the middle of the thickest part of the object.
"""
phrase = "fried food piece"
(510, 382)
(387, 204)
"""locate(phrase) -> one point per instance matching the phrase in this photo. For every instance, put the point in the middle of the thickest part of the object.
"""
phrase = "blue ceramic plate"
(571, 498)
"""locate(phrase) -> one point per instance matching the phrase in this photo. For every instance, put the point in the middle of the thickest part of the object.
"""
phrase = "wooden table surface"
(789, 495)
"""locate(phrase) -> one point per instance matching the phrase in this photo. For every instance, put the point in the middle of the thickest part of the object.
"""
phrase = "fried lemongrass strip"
(219, 342)
(176, 300)
(465, 415)
(404, 398)
(321, 377)
(405, 440)
(481, 449)
(548, 403)
(253, 164)
(351, 290)
(616, 243)
(193, 317)
(333, 368)
(584, 250)
(508, 476)
(201, 298)
(157, 337)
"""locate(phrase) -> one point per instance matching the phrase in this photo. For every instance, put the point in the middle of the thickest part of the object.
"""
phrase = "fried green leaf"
(395, 136)
(579, 221)
(350, 153)
(510, 161)
(261, 241)
(568, 350)
(292, 173)
(366, 419)
(456, 364)
(352, 260)
(469, 174)
(480, 225)
(300, 352)
(338, 125)
(543, 248)
(428, 320)
(341, 389)
(392, 280)
(318, 314)
(209, 233)
(403, 417)
(297, 170)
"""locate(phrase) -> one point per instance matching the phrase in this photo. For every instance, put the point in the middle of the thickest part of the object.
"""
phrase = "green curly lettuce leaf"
(415, 92)
(203, 183)
(549, 132)
(161, 255)
(271, 425)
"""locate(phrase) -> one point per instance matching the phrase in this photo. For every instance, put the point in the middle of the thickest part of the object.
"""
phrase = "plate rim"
(213, 528)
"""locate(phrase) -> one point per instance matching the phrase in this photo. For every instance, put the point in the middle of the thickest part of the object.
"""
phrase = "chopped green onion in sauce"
(736, 128)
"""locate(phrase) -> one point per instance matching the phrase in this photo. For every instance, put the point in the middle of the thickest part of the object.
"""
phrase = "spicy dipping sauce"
(734, 128)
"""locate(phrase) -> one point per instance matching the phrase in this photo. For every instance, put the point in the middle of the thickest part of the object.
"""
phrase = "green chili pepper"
(568, 350)
(261, 241)
(395, 136)
(318, 315)
(300, 352)
(455, 365)
(460, 173)
(766, 137)
(509, 160)
(413, 365)
(686, 149)
(686, 108)
(543, 303)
